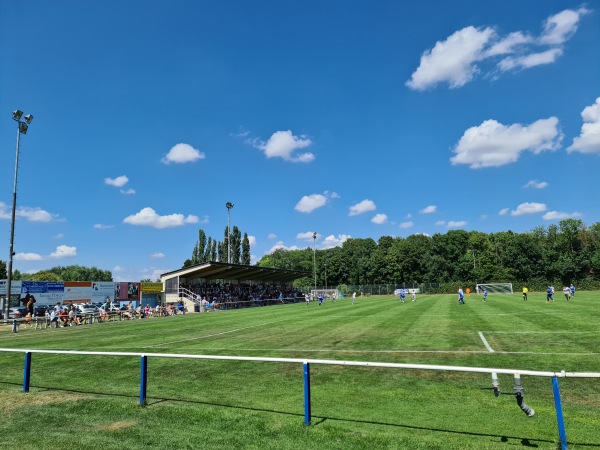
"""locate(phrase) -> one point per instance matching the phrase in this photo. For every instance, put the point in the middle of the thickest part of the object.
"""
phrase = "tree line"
(209, 249)
(60, 273)
(557, 254)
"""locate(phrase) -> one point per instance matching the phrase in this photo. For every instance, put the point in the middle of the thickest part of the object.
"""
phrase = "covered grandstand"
(189, 282)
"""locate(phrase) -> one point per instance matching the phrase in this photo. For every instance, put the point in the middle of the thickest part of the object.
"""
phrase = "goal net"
(495, 288)
(327, 293)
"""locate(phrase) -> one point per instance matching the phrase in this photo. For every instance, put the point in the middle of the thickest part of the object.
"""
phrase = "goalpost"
(495, 288)
(327, 293)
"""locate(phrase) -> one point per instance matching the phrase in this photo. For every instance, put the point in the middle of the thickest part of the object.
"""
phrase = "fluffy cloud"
(406, 224)
(307, 236)
(536, 184)
(471, 50)
(440, 223)
(99, 226)
(272, 236)
(452, 60)
(557, 215)
(64, 251)
(282, 144)
(456, 224)
(379, 219)
(528, 208)
(335, 241)
(252, 240)
(279, 245)
(504, 211)
(27, 257)
(148, 217)
(117, 182)
(362, 207)
(589, 139)
(493, 144)
(157, 255)
(429, 209)
(30, 214)
(309, 203)
(183, 153)
(129, 191)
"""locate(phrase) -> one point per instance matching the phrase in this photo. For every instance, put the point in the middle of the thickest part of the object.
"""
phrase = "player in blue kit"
(484, 294)
(402, 296)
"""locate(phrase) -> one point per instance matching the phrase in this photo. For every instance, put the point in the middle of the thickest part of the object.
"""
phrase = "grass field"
(92, 401)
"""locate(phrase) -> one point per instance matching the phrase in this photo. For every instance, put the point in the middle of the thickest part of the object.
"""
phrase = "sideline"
(485, 342)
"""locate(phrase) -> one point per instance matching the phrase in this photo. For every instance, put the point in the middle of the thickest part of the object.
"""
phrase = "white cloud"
(157, 255)
(456, 224)
(272, 236)
(468, 51)
(307, 236)
(536, 184)
(117, 269)
(309, 203)
(493, 144)
(528, 208)
(64, 251)
(440, 223)
(557, 215)
(58, 236)
(31, 214)
(530, 60)
(504, 211)
(334, 241)
(560, 27)
(282, 144)
(129, 191)
(362, 207)
(279, 245)
(452, 60)
(28, 257)
(589, 139)
(100, 226)
(252, 240)
(148, 217)
(117, 182)
(183, 153)
(379, 219)
(406, 224)
(429, 209)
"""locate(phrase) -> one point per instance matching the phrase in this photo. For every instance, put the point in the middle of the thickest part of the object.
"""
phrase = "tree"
(246, 250)
(236, 245)
(3, 273)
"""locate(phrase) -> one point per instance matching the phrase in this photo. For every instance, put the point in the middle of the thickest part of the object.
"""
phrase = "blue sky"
(348, 118)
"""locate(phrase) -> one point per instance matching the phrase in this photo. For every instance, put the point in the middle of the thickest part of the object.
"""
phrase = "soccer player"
(461, 297)
(414, 295)
(549, 292)
(353, 297)
(402, 296)
(567, 292)
(307, 299)
(572, 288)
(484, 294)
(321, 298)
(525, 291)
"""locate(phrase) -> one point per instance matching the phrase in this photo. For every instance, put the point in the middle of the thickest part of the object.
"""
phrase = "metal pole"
(307, 404)
(559, 414)
(228, 237)
(143, 379)
(315, 259)
(12, 228)
(27, 372)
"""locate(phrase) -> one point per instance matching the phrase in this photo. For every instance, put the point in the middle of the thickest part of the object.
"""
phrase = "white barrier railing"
(518, 391)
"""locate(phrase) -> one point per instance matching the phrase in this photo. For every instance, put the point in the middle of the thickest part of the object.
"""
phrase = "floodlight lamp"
(28, 118)
(229, 205)
(23, 128)
(315, 235)
(17, 114)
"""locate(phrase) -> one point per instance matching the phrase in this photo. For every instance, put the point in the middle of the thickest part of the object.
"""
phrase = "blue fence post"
(559, 414)
(27, 372)
(15, 326)
(143, 379)
(307, 408)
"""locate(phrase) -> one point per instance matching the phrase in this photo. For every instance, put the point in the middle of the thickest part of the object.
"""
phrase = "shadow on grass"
(317, 420)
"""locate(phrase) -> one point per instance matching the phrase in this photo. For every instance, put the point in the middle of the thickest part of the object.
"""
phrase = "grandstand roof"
(225, 271)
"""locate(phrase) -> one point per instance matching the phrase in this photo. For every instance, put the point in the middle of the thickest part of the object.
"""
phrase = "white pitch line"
(212, 335)
(541, 332)
(485, 342)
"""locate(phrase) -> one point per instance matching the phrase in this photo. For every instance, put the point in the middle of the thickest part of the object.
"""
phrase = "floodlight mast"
(22, 128)
(315, 258)
(228, 205)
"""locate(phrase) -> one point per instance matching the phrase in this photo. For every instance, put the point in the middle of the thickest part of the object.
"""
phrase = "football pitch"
(89, 401)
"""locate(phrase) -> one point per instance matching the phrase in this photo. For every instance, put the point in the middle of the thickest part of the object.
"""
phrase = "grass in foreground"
(92, 402)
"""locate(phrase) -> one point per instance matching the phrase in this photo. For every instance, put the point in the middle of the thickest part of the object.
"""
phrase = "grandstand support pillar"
(307, 408)
(559, 415)
(27, 372)
(143, 379)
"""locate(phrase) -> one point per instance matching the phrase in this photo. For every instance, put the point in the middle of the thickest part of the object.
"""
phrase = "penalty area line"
(485, 342)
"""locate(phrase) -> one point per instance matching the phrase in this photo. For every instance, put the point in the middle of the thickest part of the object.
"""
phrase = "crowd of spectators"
(214, 293)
